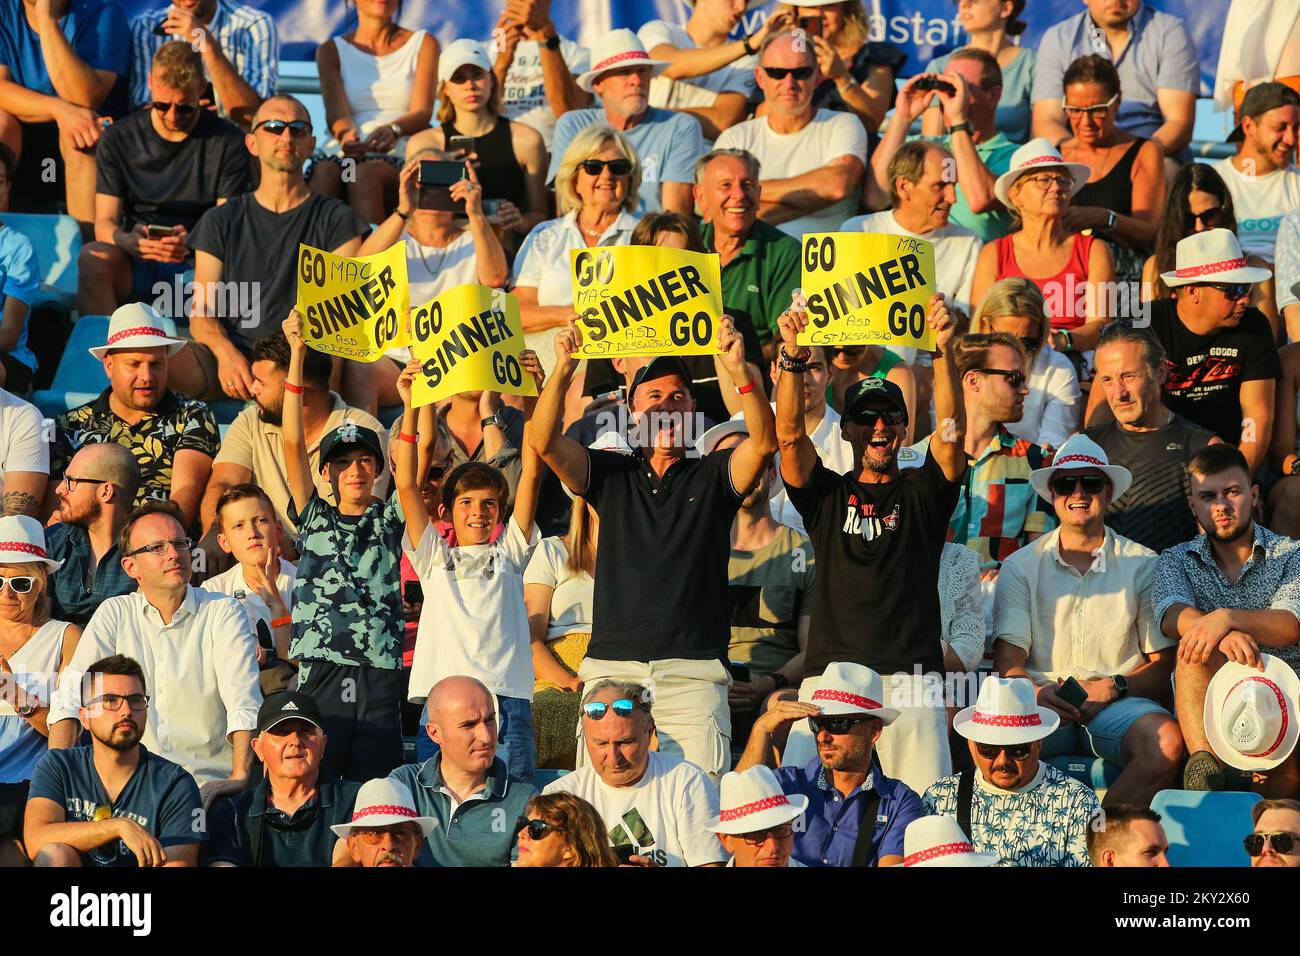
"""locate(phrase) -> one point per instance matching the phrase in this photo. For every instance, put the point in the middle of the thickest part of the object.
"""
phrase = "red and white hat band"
(1088, 458)
(1042, 161)
(610, 61)
(25, 548)
(132, 333)
(1007, 720)
(844, 697)
(934, 852)
(1282, 705)
(749, 809)
(383, 810)
(1210, 268)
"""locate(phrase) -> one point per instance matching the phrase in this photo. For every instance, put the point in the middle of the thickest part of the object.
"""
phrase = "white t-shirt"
(473, 621)
(955, 250)
(234, 583)
(22, 431)
(431, 271)
(523, 95)
(1259, 203)
(663, 815)
(696, 91)
(1053, 404)
(572, 601)
(829, 136)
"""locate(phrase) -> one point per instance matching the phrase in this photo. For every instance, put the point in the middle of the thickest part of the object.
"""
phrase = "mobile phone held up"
(435, 180)
(458, 143)
(811, 26)
(934, 84)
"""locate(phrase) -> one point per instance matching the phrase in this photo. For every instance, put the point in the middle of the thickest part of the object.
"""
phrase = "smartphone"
(160, 232)
(264, 635)
(461, 142)
(160, 30)
(1072, 692)
(935, 84)
(435, 180)
(739, 672)
(413, 593)
(811, 26)
(625, 854)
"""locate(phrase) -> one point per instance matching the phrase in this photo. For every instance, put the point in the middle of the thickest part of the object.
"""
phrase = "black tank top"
(499, 173)
(1114, 191)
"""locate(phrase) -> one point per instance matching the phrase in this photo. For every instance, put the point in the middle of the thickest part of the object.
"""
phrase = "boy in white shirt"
(473, 621)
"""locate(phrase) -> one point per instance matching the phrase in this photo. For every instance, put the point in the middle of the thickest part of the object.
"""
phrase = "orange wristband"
(282, 621)
(290, 387)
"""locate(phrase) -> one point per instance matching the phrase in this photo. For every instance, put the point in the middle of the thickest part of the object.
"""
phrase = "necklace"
(442, 256)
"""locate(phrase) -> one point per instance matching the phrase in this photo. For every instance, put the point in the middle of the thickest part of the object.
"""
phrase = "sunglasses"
(182, 109)
(1015, 378)
(779, 73)
(838, 726)
(537, 829)
(759, 837)
(1064, 485)
(1030, 343)
(276, 127)
(1232, 291)
(617, 167)
(869, 417)
(160, 548)
(402, 832)
(19, 584)
(437, 471)
(136, 702)
(1282, 842)
(1018, 752)
(597, 709)
(1210, 218)
(852, 351)
(1089, 110)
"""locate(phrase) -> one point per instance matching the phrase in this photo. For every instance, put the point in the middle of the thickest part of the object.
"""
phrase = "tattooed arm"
(24, 491)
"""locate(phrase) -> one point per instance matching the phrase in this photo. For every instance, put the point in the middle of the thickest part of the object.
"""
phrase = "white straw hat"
(617, 50)
(139, 326)
(752, 800)
(1078, 453)
(1250, 716)
(1006, 712)
(1211, 256)
(384, 802)
(1035, 155)
(22, 541)
(845, 689)
(939, 841)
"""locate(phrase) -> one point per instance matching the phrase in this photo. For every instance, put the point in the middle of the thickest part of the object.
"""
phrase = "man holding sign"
(878, 534)
(661, 605)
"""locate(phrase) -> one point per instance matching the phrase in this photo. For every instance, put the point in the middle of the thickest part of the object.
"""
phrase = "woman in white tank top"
(377, 83)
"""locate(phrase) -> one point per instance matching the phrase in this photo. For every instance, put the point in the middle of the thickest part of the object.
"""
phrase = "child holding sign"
(473, 622)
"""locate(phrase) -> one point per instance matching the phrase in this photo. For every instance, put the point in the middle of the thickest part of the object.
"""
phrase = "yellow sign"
(353, 306)
(867, 289)
(646, 300)
(468, 338)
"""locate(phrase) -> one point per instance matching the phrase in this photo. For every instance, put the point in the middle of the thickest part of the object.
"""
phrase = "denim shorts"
(1102, 735)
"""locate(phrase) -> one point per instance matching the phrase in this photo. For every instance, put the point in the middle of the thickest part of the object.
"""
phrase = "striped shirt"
(247, 37)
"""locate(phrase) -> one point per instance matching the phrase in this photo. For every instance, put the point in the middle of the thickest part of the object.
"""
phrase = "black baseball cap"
(659, 367)
(287, 705)
(1259, 100)
(860, 394)
(348, 437)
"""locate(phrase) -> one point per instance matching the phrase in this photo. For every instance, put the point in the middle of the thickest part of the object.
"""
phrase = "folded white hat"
(1250, 716)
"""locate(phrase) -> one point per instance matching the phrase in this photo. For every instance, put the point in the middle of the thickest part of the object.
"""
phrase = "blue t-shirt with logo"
(99, 33)
(160, 796)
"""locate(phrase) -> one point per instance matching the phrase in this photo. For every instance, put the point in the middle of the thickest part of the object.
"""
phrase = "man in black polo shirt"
(285, 820)
(661, 609)
(878, 533)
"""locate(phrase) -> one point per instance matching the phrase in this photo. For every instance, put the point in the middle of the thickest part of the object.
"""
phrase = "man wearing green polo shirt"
(760, 263)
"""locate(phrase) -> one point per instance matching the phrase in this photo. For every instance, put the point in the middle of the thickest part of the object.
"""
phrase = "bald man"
(465, 785)
(93, 501)
(245, 251)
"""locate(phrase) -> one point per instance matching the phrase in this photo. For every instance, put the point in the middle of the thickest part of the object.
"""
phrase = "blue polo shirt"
(75, 593)
(244, 831)
(99, 34)
(478, 832)
(830, 824)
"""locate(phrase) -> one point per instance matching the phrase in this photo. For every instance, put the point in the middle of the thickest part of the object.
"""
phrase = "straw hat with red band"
(1080, 453)
(1209, 257)
(752, 800)
(848, 689)
(139, 326)
(384, 802)
(939, 841)
(1250, 715)
(22, 541)
(1038, 154)
(1006, 712)
(618, 50)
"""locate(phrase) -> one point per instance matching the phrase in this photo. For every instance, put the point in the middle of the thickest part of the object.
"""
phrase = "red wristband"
(282, 621)
(290, 387)
(744, 389)
(405, 437)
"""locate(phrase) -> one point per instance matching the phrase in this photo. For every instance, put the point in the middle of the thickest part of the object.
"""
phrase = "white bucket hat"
(752, 800)
(845, 689)
(1211, 256)
(139, 326)
(1250, 716)
(22, 541)
(1035, 155)
(460, 53)
(617, 50)
(939, 841)
(1006, 712)
(1078, 453)
(384, 802)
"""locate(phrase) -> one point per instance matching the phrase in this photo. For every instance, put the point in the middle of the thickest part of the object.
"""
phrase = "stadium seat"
(543, 778)
(1205, 828)
(80, 377)
(57, 240)
(389, 414)
(1088, 770)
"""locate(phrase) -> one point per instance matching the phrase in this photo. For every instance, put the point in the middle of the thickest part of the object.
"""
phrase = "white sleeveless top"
(378, 88)
(36, 668)
(431, 271)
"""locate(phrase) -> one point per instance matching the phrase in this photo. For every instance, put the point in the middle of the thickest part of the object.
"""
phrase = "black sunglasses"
(1064, 485)
(536, 828)
(617, 167)
(759, 837)
(836, 725)
(1030, 343)
(1232, 291)
(869, 417)
(1018, 752)
(853, 351)
(1210, 218)
(277, 127)
(1282, 842)
(779, 73)
(182, 109)
(1015, 378)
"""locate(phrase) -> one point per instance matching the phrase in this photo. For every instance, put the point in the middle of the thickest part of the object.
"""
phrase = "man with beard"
(113, 804)
(1228, 594)
(173, 438)
(878, 534)
(96, 496)
(253, 449)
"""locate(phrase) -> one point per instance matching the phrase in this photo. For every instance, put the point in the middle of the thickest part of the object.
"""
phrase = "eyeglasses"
(1282, 842)
(403, 832)
(1211, 218)
(136, 702)
(1064, 485)
(869, 417)
(779, 73)
(1015, 378)
(1089, 110)
(296, 128)
(597, 709)
(836, 725)
(437, 471)
(1030, 343)
(19, 585)
(72, 482)
(160, 548)
(1018, 752)
(617, 167)
(1232, 291)
(1047, 181)
(537, 829)
(182, 109)
(759, 837)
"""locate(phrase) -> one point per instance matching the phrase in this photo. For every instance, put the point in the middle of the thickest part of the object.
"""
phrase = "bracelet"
(744, 389)
(405, 437)
(744, 43)
(282, 621)
(788, 363)
(290, 387)
(405, 217)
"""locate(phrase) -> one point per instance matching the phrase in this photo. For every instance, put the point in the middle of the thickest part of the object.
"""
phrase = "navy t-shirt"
(160, 796)
(242, 830)
(99, 33)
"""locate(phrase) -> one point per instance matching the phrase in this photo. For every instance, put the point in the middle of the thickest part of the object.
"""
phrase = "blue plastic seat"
(1088, 770)
(543, 778)
(1205, 828)
(57, 240)
(80, 376)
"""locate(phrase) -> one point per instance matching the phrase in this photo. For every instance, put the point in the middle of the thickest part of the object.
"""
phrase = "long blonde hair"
(580, 541)
(1014, 296)
(855, 32)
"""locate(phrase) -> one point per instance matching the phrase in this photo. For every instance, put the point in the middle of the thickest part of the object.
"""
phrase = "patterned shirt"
(1269, 581)
(177, 424)
(347, 598)
(998, 508)
(1046, 824)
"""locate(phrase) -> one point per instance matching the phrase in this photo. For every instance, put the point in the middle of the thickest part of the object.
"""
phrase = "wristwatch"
(552, 42)
(1110, 220)
(744, 42)
(779, 679)
(397, 130)
(1121, 685)
(962, 127)
(494, 419)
